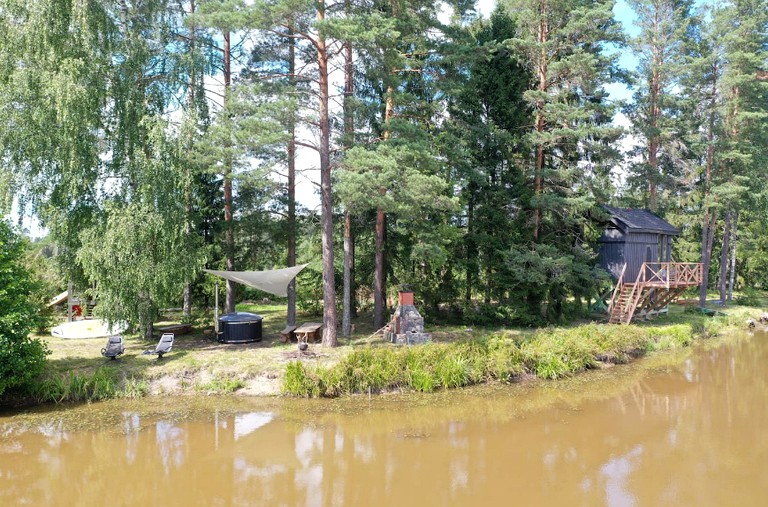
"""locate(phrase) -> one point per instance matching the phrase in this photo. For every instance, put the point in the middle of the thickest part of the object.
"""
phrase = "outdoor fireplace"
(407, 325)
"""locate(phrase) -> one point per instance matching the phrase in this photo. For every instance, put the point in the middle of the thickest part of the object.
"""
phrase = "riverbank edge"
(548, 354)
(504, 356)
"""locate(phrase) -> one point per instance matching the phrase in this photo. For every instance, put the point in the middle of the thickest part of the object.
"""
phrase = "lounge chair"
(114, 347)
(163, 346)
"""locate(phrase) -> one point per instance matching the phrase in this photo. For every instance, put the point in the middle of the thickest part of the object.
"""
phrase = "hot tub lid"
(240, 317)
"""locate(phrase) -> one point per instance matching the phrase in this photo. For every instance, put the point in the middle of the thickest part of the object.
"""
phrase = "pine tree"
(395, 60)
(743, 27)
(562, 43)
(663, 46)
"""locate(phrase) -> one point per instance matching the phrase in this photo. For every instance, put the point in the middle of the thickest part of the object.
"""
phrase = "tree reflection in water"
(679, 429)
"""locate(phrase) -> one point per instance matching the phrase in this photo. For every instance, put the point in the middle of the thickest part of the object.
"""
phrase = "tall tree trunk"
(187, 304)
(488, 281)
(724, 252)
(346, 317)
(654, 111)
(708, 224)
(329, 285)
(149, 328)
(291, 317)
(229, 235)
(734, 237)
(707, 240)
(471, 248)
(70, 296)
(379, 275)
(541, 72)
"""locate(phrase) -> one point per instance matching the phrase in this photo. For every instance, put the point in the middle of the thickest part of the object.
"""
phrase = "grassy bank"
(103, 384)
(363, 363)
(550, 353)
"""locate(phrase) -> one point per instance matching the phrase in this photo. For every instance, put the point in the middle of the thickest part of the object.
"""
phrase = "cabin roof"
(640, 220)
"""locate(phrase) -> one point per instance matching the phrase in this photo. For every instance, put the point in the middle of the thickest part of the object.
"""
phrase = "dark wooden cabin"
(636, 249)
(634, 236)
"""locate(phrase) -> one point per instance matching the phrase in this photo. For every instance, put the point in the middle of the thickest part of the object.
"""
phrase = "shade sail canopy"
(274, 281)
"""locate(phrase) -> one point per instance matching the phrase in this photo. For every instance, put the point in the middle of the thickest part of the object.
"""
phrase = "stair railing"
(617, 289)
(633, 300)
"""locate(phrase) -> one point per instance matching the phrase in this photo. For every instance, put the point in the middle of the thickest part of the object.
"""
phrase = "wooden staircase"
(657, 285)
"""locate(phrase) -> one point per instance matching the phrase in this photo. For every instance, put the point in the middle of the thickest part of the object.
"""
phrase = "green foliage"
(134, 260)
(547, 354)
(749, 297)
(78, 387)
(46, 282)
(134, 388)
(297, 381)
(663, 46)
(221, 385)
(21, 358)
(132, 201)
(553, 355)
(505, 359)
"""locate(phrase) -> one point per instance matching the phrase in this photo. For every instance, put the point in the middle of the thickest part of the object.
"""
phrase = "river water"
(681, 428)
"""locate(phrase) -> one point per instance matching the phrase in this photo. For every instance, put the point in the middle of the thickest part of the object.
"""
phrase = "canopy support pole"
(216, 311)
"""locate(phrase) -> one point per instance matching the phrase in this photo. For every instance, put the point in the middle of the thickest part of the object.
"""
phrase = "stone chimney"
(407, 325)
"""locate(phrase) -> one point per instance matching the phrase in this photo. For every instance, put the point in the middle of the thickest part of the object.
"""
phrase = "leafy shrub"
(489, 315)
(749, 297)
(21, 358)
(298, 382)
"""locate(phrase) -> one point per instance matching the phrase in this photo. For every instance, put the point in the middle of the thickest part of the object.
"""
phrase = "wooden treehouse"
(636, 249)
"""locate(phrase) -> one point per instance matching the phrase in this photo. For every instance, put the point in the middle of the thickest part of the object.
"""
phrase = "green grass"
(77, 387)
(220, 385)
(550, 353)
(362, 363)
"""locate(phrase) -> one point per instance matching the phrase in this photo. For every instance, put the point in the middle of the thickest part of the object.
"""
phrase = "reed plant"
(220, 385)
(548, 354)
(77, 387)
(134, 387)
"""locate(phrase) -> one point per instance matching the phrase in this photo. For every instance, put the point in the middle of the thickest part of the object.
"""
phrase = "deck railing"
(670, 274)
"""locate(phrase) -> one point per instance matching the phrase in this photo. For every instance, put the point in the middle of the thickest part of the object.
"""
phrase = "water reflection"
(245, 424)
(616, 474)
(681, 430)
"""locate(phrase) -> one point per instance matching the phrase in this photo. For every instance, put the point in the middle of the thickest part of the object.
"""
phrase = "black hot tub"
(239, 327)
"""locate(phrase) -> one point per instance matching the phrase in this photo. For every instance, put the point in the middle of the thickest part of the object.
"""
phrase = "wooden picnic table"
(307, 331)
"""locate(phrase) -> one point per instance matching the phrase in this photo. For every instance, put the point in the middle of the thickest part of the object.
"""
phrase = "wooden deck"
(657, 285)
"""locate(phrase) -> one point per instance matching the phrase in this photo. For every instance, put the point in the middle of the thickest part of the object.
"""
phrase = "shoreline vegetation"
(363, 364)
(547, 354)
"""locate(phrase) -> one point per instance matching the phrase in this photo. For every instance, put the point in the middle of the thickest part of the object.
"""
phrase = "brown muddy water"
(682, 428)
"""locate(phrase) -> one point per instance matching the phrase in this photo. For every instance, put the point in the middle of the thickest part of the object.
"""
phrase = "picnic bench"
(309, 330)
(176, 329)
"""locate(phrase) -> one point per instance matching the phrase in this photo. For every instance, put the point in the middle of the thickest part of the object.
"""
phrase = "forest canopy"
(465, 156)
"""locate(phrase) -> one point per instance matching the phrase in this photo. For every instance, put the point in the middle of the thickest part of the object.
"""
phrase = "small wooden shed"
(634, 237)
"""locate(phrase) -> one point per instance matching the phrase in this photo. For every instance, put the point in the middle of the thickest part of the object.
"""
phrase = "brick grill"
(407, 325)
